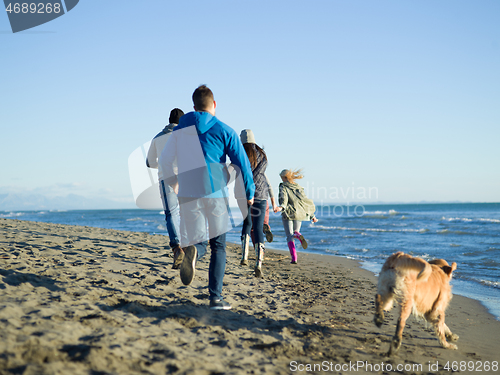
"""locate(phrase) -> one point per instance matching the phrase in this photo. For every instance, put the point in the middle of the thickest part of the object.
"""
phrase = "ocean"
(466, 233)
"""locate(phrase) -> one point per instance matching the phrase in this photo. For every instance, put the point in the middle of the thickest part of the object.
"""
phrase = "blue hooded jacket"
(195, 157)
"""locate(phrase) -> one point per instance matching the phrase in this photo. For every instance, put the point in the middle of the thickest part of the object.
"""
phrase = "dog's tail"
(405, 262)
(443, 264)
(425, 273)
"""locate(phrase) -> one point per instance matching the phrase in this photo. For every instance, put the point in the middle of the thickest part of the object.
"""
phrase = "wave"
(489, 283)
(460, 232)
(372, 229)
(390, 212)
(465, 219)
(364, 250)
(379, 214)
(494, 284)
(11, 214)
(491, 220)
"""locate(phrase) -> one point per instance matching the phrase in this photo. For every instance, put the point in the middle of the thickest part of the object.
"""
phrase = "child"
(295, 207)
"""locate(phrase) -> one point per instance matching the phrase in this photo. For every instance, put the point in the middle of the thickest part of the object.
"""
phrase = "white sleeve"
(168, 160)
(152, 158)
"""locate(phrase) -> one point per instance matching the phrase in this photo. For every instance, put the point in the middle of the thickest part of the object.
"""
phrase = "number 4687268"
(33, 8)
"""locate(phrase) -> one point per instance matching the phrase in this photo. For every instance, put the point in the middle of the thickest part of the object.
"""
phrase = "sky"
(376, 101)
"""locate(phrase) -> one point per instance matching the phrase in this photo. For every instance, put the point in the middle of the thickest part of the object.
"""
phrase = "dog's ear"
(448, 270)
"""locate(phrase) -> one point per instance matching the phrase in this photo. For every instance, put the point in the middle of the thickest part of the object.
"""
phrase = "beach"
(85, 300)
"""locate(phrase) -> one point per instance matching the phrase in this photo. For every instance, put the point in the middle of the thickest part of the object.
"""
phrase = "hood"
(168, 128)
(203, 121)
(292, 185)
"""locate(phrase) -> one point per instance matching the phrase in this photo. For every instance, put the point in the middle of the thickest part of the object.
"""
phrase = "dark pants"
(202, 219)
(255, 219)
(217, 266)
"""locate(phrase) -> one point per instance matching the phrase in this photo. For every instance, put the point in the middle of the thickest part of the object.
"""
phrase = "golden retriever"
(420, 287)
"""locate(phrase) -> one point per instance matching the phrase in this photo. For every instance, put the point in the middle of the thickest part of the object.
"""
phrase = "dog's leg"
(450, 335)
(379, 311)
(406, 307)
(442, 330)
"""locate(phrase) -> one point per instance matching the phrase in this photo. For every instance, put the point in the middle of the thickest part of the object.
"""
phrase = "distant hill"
(35, 202)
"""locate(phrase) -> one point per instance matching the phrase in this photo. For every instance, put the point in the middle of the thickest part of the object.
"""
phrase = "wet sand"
(81, 300)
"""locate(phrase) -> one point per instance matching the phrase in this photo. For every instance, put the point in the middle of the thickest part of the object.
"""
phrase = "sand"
(82, 300)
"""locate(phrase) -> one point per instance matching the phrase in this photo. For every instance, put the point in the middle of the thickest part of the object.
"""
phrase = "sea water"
(468, 234)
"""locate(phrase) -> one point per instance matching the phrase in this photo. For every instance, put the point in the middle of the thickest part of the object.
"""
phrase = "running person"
(295, 207)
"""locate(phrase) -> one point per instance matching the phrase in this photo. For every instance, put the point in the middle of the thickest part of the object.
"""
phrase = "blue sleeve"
(239, 157)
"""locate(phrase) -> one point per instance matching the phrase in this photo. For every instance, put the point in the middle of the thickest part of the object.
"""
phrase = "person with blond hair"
(295, 208)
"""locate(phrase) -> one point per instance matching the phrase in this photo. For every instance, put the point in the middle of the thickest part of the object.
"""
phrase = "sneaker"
(188, 265)
(301, 238)
(178, 257)
(219, 304)
(268, 233)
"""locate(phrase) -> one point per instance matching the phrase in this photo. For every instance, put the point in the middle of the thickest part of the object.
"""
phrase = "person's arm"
(271, 194)
(269, 187)
(275, 207)
(239, 157)
(168, 161)
(152, 158)
(282, 197)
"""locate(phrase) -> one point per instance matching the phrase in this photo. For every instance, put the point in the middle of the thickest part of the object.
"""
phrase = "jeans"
(255, 219)
(203, 221)
(217, 266)
(290, 226)
(171, 209)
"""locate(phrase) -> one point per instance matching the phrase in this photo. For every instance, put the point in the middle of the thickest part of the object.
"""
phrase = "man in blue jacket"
(195, 158)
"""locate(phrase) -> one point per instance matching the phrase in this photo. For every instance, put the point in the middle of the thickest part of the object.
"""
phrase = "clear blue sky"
(401, 96)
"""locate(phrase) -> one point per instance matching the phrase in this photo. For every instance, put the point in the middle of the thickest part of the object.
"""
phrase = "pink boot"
(293, 252)
(301, 238)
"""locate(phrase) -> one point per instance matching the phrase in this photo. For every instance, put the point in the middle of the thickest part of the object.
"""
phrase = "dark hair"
(251, 150)
(203, 97)
(175, 115)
